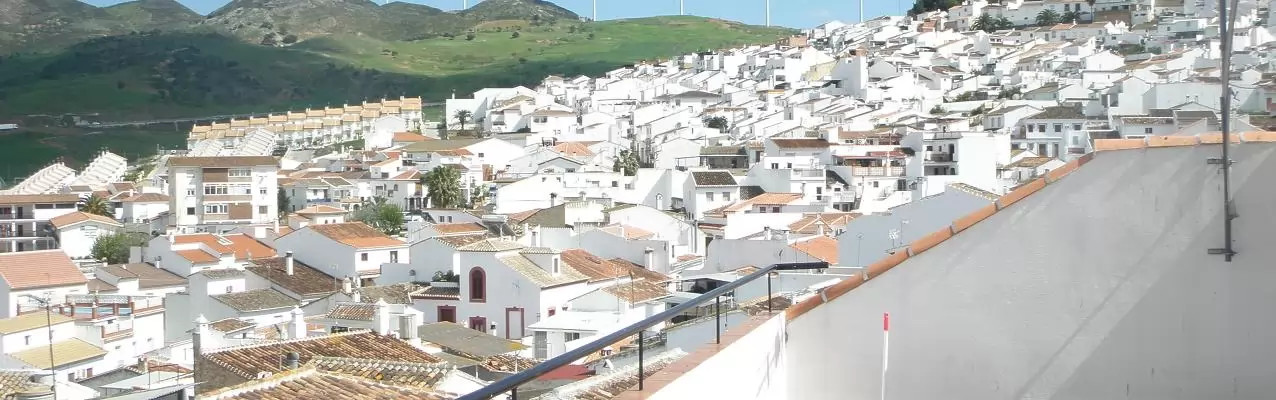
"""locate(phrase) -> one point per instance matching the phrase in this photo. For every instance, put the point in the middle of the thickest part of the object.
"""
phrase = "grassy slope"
(431, 68)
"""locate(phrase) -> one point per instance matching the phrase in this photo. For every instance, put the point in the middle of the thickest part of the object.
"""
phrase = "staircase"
(49, 179)
(106, 168)
(259, 142)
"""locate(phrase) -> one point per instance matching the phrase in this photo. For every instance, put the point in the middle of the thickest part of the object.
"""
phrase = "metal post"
(717, 319)
(514, 394)
(768, 292)
(1226, 20)
(640, 349)
(48, 321)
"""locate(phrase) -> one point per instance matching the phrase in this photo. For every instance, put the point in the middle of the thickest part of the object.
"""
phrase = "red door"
(447, 314)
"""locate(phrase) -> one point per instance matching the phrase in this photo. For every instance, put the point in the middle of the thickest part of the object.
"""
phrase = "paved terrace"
(1091, 283)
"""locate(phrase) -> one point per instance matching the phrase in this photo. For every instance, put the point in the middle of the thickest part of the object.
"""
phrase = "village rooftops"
(357, 235)
(354, 312)
(256, 300)
(147, 275)
(62, 353)
(252, 360)
(1059, 112)
(801, 143)
(305, 281)
(29, 321)
(466, 342)
(223, 162)
(78, 217)
(231, 325)
(314, 382)
(638, 291)
(822, 248)
(243, 246)
(38, 198)
(538, 275)
(27, 270)
(713, 178)
(320, 209)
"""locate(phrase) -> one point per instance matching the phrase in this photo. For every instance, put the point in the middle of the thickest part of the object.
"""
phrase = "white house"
(33, 275)
(345, 250)
(78, 231)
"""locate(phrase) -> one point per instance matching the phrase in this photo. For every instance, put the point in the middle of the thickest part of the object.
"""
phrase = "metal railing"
(510, 384)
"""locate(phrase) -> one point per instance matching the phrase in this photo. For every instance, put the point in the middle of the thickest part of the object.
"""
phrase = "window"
(1058, 127)
(480, 155)
(240, 173)
(363, 256)
(216, 208)
(190, 192)
(230, 289)
(570, 336)
(708, 196)
(262, 190)
(447, 314)
(263, 210)
(555, 266)
(1030, 128)
(394, 256)
(190, 210)
(726, 196)
(540, 119)
(1041, 128)
(478, 324)
(26, 339)
(1076, 127)
(775, 209)
(615, 183)
(1147, 130)
(478, 285)
(216, 189)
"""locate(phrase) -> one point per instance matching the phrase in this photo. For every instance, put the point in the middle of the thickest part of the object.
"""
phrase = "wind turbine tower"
(768, 12)
(682, 10)
(595, 10)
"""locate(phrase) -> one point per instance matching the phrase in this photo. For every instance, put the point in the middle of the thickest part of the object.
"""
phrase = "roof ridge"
(287, 341)
(407, 366)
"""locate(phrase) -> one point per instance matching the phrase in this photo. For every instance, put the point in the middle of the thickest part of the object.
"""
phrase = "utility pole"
(1225, 21)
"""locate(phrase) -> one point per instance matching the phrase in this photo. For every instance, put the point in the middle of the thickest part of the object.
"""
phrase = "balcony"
(808, 173)
(10, 217)
(939, 157)
(877, 171)
(122, 328)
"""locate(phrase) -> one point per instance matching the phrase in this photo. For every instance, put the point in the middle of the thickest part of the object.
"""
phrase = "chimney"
(292, 360)
(298, 323)
(356, 297)
(649, 257)
(347, 285)
(766, 233)
(288, 263)
(383, 322)
(197, 335)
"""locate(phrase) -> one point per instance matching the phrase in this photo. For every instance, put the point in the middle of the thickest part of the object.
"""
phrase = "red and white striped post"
(886, 348)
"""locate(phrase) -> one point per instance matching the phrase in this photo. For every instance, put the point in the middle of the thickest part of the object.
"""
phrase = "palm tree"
(985, 23)
(99, 206)
(1047, 17)
(1070, 17)
(463, 116)
(1004, 23)
(443, 187)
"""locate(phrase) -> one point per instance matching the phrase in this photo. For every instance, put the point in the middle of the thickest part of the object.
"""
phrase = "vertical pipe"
(717, 319)
(886, 348)
(514, 394)
(640, 351)
(768, 292)
(1225, 30)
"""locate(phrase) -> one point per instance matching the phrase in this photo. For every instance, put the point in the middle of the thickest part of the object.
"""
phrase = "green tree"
(985, 22)
(921, 6)
(1004, 23)
(1070, 17)
(290, 38)
(718, 122)
(1047, 17)
(470, 36)
(97, 205)
(443, 187)
(379, 214)
(515, 35)
(463, 116)
(626, 162)
(114, 248)
(281, 202)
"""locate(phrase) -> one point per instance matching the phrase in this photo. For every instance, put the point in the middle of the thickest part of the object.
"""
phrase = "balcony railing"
(877, 171)
(9, 217)
(939, 157)
(510, 384)
(808, 173)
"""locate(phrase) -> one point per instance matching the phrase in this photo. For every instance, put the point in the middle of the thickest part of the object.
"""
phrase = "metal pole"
(768, 293)
(48, 321)
(717, 319)
(1225, 30)
(640, 351)
(514, 394)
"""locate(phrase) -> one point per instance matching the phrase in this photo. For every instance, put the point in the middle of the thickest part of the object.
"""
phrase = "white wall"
(754, 367)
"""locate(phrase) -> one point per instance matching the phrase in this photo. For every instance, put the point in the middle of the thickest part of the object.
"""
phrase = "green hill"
(163, 74)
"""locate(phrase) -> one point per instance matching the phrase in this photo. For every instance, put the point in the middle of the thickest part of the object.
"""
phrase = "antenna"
(1226, 23)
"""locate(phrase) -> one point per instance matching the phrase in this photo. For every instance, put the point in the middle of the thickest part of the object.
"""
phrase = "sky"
(791, 13)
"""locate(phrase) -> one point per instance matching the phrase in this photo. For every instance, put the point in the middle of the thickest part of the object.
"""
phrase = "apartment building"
(24, 220)
(218, 194)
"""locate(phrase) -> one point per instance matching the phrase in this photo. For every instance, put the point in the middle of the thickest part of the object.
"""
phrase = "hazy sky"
(790, 13)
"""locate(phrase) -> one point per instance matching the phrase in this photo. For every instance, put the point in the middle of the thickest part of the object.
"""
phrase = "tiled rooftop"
(147, 275)
(305, 280)
(39, 269)
(356, 234)
(354, 312)
(249, 361)
(256, 300)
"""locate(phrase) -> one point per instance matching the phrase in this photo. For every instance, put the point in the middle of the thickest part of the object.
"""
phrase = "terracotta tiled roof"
(38, 198)
(801, 143)
(459, 241)
(491, 245)
(309, 383)
(460, 228)
(822, 248)
(808, 223)
(638, 291)
(38, 269)
(598, 269)
(72, 218)
(408, 137)
(466, 342)
(100, 286)
(398, 293)
(197, 256)
(248, 361)
(628, 232)
(713, 178)
(356, 234)
(305, 280)
(246, 247)
(231, 325)
(438, 293)
(508, 363)
(147, 275)
(354, 312)
(256, 300)
(320, 209)
(397, 373)
(222, 162)
(146, 198)
(573, 149)
(528, 269)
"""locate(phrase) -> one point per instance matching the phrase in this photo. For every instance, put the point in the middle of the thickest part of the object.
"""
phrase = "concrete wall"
(754, 367)
(924, 216)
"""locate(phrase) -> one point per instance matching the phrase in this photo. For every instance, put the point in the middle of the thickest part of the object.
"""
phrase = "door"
(447, 314)
(514, 323)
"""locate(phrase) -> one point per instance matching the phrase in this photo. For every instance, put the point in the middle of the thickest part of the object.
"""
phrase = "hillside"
(181, 74)
(518, 9)
(41, 24)
(162, 14)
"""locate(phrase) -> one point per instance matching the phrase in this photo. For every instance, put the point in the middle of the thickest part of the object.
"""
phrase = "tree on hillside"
(718, 122)
(921, 6)
(515, 35)
(114, 248)
(1070, 17)
(470, 36)
(97, 205)
(985, 22)
(1047, 17)
(379, 214)
(463, 116)
(443, 187)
